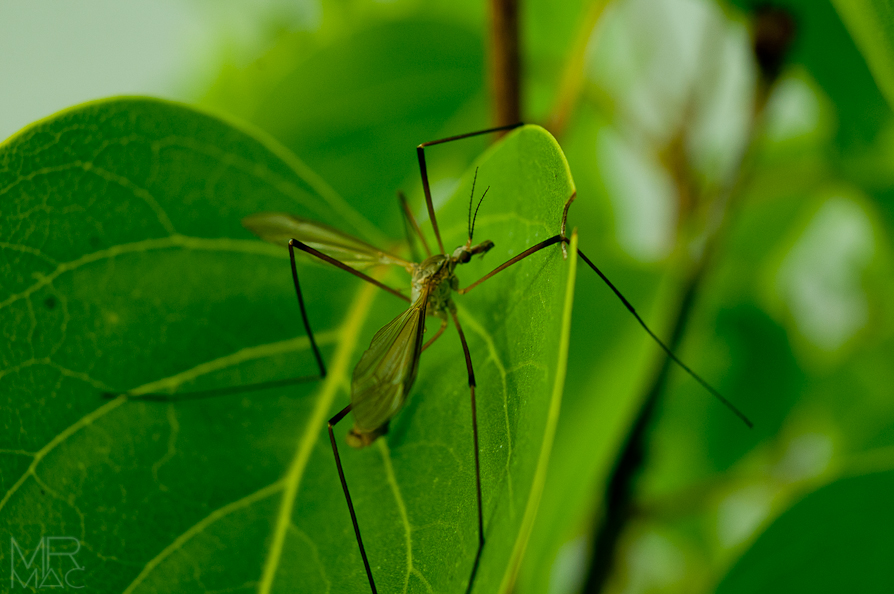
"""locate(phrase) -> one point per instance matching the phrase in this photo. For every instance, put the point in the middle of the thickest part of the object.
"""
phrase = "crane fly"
(383, 377)
(385, 373)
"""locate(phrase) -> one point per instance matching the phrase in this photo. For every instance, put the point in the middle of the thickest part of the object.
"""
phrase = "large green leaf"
(836, 539)
(125, 268)
(871, 23)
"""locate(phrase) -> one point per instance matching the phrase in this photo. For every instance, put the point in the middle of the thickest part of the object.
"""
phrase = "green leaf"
(354, 108)
(871, 23)
(836, 539)
(125, 268)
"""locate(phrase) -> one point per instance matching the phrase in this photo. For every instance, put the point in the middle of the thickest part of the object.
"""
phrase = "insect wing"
(278, 228)
(387, 369)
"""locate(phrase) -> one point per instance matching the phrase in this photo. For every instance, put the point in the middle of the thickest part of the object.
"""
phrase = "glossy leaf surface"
(126, 268)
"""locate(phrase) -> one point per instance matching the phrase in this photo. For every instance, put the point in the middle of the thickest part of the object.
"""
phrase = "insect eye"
(464, 257)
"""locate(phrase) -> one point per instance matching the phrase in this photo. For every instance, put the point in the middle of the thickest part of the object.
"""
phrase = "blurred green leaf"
(608, 368)
(824, 47)
(353, 107)
(871, 23)
(837, 539)
(126, 268)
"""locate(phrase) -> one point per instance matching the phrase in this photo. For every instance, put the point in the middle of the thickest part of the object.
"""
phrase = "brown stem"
(505, 63)
(620, 492)
(572, 81)
(618, 504)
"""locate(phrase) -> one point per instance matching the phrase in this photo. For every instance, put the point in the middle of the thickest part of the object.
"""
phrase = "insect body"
(386, 371)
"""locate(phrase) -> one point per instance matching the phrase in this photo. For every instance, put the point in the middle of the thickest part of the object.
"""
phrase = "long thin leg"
(214, 392)
(344, 486)
(664, 347)
(294, 243)
(564, 222)
(423, 171)
(408, 217)
(436, 336)
(561, 238)
(531, 250)
(304, 318)
(471, 372)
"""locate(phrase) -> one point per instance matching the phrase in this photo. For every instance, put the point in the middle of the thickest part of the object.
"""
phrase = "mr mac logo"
(52, 564)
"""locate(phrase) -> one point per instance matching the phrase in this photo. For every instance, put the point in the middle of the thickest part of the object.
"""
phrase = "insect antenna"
(474, 218)
(423, 172)
(471, 199)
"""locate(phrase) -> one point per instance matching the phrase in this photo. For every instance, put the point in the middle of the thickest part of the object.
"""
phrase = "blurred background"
(735, 174)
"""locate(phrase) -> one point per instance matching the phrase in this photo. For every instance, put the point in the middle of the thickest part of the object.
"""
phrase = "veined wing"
(279, 228)
(386, 371)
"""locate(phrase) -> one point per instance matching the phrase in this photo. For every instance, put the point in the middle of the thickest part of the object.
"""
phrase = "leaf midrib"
(334, 380)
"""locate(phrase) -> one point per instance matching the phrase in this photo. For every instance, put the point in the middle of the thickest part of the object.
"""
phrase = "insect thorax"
(435, 275)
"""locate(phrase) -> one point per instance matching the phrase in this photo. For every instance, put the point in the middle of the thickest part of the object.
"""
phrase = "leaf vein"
(401, 507)
(174, 241)
(175, 380)
(199, 526)
(349, 333)
(58, 439)
(27, 249)
(140, 192)
(283, 185)
(315, 552)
